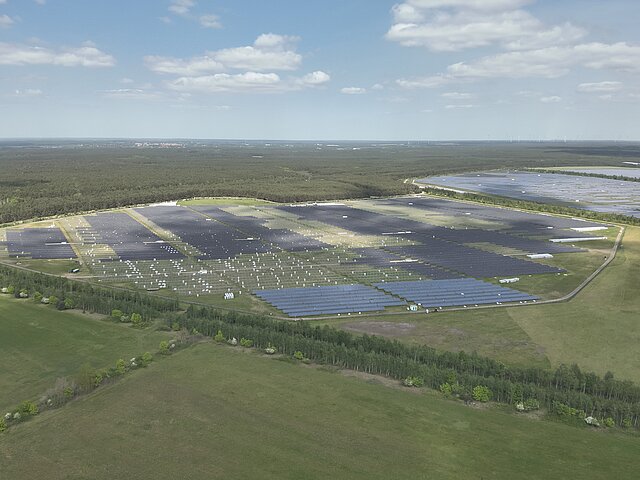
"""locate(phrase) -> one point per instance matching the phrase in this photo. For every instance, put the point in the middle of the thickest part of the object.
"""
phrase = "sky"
(321, 69)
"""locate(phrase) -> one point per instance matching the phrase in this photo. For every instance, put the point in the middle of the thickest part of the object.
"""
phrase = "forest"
(40, 181)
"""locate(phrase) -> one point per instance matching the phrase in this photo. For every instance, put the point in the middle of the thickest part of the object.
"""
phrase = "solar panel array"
(303, 302)
(128, 238)
(471, 261)
(438, 246)
(253, 227)
(513, 220)
(214, 239)
(454, 293)
(589, 193)
(376, 257)
(38, 243)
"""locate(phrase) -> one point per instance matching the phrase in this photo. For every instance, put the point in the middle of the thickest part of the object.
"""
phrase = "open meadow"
(217, 412)
(39, 344)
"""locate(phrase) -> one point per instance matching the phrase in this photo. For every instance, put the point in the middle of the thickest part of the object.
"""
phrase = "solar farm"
(307, 260)
(590, 193)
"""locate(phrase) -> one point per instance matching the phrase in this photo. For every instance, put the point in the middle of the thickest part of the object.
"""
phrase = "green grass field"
(215, 412)
(600, 328)
(39, 344)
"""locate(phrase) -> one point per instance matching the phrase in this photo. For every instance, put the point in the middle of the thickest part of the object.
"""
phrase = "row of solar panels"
(455, 292)
(298, 302)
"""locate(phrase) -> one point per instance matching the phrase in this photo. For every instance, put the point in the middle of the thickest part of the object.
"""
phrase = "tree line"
(81, 295)
(597, 396)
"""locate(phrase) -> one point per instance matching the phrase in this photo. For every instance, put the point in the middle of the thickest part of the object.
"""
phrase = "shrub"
(481, 393)
(121, 367)
(245, 342)
(270, 350)
(298, 355)
(37, 297)
(28, 408)
(609, 422)
(147, 358)
(164, 347)
(446, 389)
(563, 410)
(136, 319)
(116, 314)
(219, 337)
(626, 423)
(413, 382)
(98, 377)
(175, 326)
(3, 425)
(68, 392)
(53, 300)
(69, 303)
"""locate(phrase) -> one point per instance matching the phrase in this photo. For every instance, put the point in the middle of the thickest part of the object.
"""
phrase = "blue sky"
(320, 69)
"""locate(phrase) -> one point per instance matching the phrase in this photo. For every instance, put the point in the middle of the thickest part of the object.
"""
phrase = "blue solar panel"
(299, 302)
(454, 292)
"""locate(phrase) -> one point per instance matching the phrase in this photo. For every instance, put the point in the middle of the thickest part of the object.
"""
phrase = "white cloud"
(126, 80)
(315, 78)
(486, 5)
(86, 55)
(377, 87)
(181, 7)
(550, 62)
(459, 106)
(2, 2)
(269, 52)
(28, 92)
(210, 21)
(132, 94)
(353, 90)
(551, 99)
(41, 2)
(599, 87)
(249, 82)
(424, 82)
(176, 66)
(457, 95)
(458, 25)
(224, 82)
(257, 64)
(6, 21)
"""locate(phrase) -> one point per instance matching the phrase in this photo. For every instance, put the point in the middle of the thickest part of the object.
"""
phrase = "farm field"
(296, 421)
(599, 329)
(39, 344)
